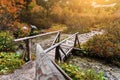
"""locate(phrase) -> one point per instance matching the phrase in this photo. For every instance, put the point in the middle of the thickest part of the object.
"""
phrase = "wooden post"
(57, 39)
(78, 41)
(75, 40)
(28, 45)
(63, 53)
(57, 53)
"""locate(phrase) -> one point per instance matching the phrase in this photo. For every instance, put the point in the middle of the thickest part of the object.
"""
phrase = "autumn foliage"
(9, 12)
(11, 6)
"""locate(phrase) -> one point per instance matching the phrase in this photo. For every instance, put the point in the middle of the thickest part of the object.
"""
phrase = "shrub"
(106, 45)
(9, 62)
(6, 42)
(56, 27)
(103, 46)
(22, 30)
(77, 74)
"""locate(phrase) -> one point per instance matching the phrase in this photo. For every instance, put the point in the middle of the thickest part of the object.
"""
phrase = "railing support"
(77, 42)
(57, 39)
(63, 52)
(28, 50)
(27, 41)
(57, 54)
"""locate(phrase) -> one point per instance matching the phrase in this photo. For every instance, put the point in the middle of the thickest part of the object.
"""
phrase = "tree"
(9, 12)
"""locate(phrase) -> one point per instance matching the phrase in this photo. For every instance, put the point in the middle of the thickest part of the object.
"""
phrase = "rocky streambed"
(27, 72)
(111, 72)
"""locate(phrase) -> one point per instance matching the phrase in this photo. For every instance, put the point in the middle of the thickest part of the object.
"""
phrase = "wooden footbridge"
(60, 50)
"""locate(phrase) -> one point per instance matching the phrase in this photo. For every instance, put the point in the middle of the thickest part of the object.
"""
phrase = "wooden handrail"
(57, 44)
(63, 72)
(57, 36)
(39, 35)
(27, 41)
(43, 60)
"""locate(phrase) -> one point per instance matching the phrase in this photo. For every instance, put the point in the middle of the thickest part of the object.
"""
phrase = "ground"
(27, 72)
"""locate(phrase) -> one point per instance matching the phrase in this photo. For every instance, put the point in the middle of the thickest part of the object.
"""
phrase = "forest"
(23, 18)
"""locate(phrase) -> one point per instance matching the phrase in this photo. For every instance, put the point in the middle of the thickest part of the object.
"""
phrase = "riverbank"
(111, 72)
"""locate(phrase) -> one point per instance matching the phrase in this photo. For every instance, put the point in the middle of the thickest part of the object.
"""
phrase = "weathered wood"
(63, 52)
(28, 45)
(51, 54)
(67, 53)
(45, 69)
(63, 57)
(77, 41)
(57, 38)
(31, 37)
(64, 74)
(27, 40)
(24, 54)
(57, 54)
(77, 49)
(54, 46)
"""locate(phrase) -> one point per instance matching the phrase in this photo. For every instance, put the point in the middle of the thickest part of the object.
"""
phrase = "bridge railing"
(47, 68)
(57, 46)
(44, 62)
(27, 41)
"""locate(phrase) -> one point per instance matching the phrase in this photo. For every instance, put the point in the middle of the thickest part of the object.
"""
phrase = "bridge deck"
(46, 68)
(66, 46)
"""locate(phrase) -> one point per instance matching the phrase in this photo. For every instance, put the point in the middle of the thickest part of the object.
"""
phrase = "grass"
(77, 74)
(9, 62)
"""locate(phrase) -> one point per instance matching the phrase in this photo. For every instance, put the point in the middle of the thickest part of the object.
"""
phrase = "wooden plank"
(57, 53)
(63, 51)
(67, 53)
(31, 37)
(78, 49)
(67, 46)
(28, 45)
(45, 69)
(54, 46)
(51, 54)
(57, 37)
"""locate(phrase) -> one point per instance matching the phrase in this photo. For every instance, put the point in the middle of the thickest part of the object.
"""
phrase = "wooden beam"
(57, 54)
(67, 53)
(63, 52)
(78, 40)
(57, 37)
(54, 46)
(28, 45)
(45, 69)
(64, 74)
(75, 40)
(39, 35)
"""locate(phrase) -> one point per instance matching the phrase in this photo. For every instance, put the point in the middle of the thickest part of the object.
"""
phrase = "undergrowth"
(78, 74)
(9, 62)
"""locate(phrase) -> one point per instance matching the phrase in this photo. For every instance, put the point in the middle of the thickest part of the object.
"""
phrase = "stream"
(111, 72)
(27, 72)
